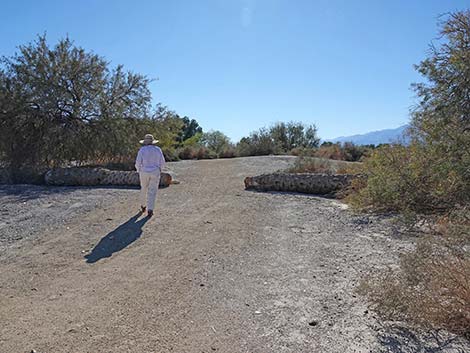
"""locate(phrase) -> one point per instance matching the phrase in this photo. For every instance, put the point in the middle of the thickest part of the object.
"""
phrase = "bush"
(170, 154)
(343, 152)
(215, 141)
(281, 138)
(228, 152)
(431, 287)
(205, 153)
(411, 179)
(332, 151)
(303, 152)
(259, 143)
(306, 164)
(187, 153)
(311, 165)
(85, 122)
(429, 178)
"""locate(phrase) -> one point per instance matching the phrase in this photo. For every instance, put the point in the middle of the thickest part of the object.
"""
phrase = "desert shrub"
(205, 153)
(188, 152)
(306, 164)
(429, 178)
(259, 143)
(170, 154)
(281, 138)
(82, 120)
(331, 151)
(355, 153)
(286, 136)
(215, 141)
(433, 173)
(95, 116)
(410, 179)
(347, 151)
(310, 165)
(431, 286)
(229, 152)
(303, 152)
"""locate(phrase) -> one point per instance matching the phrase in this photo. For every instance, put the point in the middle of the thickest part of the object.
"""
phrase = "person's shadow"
(118, 239)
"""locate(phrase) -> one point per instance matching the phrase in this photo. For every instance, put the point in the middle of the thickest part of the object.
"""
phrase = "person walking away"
(149, 163)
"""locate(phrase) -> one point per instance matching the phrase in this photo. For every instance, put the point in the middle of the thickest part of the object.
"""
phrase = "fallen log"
(308, 183)
(97, 176)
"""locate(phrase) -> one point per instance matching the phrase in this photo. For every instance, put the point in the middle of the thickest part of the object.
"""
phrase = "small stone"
(313, 323)
(257, 312)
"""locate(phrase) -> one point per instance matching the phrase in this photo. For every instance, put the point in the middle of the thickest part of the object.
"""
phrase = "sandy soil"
(218, 269)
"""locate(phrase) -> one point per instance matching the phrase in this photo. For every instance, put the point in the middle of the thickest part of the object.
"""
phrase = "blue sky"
(237, 65)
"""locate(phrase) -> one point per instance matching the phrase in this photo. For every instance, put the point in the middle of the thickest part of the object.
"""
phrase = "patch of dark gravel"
(28, 210)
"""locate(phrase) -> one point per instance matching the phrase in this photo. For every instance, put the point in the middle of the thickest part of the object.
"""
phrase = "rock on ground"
(308, 183)
(97, 176)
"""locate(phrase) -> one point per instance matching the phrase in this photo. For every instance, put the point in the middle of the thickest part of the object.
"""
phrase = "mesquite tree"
(64, 104)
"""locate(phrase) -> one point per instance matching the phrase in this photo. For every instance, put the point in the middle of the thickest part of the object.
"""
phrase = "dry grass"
(431, 287)
(320, 165)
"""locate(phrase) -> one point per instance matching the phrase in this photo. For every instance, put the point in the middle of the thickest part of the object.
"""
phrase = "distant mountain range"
(375, 137)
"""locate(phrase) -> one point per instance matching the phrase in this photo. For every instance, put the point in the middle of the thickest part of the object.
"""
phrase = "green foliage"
(209, 145)
(215, 141)
(433, 173)
(62, 105)
(190, 129)
(192, 141)
(431, 176)
(280, 138)
(65, 104)
(259, 143)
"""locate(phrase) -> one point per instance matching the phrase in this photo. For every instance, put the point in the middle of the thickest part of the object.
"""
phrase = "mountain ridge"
(375, 137)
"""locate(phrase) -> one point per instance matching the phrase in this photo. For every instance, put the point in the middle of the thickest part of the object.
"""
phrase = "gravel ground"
(26, 211)
(219, 269)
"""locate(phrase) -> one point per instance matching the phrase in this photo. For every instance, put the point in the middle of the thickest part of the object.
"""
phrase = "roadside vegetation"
(310, 164)
(429, 182)
(61, 106)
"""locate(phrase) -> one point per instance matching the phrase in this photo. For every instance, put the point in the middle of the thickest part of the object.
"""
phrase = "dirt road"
(218, 269)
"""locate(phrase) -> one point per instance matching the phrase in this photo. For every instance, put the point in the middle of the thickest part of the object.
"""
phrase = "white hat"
(148, 140)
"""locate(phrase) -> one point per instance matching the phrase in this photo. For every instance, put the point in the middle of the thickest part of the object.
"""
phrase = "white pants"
(148, 188)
